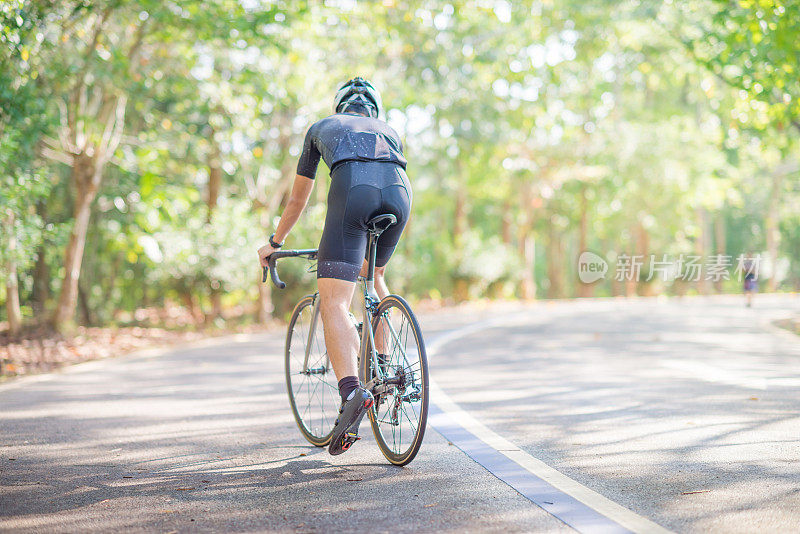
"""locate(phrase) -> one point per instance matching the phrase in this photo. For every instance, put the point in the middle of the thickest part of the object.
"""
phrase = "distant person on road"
(368, 178)
(750, 279)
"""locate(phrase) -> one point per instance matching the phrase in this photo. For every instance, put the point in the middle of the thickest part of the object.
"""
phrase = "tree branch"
(57, 155)
(81, 78)
(79, 90)
(136, 47)
(66, 126)
(113, 131)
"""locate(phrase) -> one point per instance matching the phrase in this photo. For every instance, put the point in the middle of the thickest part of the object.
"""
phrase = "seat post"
(375, 227)
(372, 252)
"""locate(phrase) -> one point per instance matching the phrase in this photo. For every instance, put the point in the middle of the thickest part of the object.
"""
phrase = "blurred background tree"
(148, 146)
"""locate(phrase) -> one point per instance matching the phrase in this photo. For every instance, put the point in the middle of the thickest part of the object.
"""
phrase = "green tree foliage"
(149, 146)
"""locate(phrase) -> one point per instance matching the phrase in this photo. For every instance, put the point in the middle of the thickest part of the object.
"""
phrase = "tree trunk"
(216, 305)
(528, 251)
(192, 305)
(719, 238)
(643, 251)
(555, 265)
(506, 221)
(41, 274)
(264, 305)
(584, 290)
(214, 176)
(77, 240)
(460, 216)
(41, 282)
(461, 289)
(771, 228)
(88, 164)
(212, 197)
(702, 246)
(12, 284)
(83, 306)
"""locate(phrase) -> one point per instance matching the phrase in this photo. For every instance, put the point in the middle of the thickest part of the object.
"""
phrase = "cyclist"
(367, 167)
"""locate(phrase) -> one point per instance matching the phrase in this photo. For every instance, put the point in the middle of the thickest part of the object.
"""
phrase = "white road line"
(567, 511)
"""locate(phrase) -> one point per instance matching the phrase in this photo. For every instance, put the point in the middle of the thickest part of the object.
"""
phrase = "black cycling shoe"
(345, 432)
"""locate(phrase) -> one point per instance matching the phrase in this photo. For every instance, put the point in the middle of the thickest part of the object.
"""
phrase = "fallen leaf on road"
(355, 479)
(302, 454)
(431, 504)
(753, 398)
(167, 512)
(693, 492)
(184, 489)
(205, 481)
(126, 476)
(12, 459)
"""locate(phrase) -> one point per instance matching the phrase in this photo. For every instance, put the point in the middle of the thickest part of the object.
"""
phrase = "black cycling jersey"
(348, 137)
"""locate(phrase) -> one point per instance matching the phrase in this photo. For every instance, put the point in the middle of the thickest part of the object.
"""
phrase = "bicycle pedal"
(348, 439)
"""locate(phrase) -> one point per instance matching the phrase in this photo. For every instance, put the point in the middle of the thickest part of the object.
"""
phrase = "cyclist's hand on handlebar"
(264, 253)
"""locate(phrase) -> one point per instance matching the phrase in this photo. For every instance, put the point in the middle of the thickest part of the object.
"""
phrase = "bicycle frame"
(371, 301)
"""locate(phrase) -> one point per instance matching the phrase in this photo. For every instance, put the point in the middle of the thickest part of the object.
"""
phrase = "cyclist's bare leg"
(380, 281)
(341, 339)
(382, 290)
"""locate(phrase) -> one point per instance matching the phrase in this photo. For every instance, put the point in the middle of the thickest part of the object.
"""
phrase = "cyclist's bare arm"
(301, 192)
(298, 199)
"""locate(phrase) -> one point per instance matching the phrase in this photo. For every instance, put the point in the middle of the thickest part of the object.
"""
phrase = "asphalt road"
(685, 412)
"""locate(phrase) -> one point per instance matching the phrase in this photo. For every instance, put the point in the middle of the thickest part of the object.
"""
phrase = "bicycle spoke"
(410, 422)
(311, 392)
(400, 421)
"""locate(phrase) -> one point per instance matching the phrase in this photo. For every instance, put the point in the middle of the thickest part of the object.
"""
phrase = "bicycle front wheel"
(310, 380)
(400, 377)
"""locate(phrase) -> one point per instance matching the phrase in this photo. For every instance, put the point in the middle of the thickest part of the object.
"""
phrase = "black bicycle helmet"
(358, 92)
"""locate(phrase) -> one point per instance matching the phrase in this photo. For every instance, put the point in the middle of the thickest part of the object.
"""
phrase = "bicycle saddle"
(380, 223)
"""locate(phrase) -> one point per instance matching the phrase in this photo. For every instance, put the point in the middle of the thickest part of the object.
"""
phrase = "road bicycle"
(392, 362)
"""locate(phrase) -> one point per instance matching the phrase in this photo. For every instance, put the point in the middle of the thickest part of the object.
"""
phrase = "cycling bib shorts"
(361, 190)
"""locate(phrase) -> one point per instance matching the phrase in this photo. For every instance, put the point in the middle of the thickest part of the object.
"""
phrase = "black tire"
(404, 404)
(313, 395)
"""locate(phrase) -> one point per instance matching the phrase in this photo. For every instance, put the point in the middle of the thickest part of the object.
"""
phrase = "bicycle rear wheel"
(400, 412)
(313, 390)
